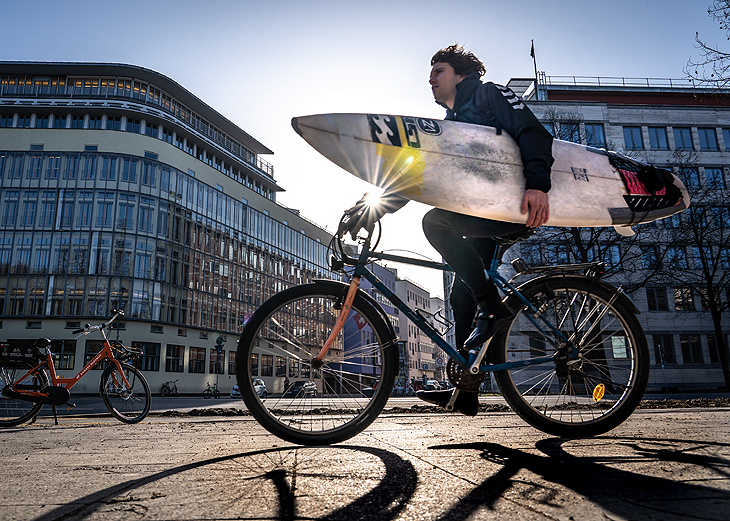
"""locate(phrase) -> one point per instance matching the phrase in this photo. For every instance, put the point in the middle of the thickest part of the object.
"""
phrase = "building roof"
(133, 71)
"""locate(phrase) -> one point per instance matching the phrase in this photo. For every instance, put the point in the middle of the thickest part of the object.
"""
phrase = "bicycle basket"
(20, 353)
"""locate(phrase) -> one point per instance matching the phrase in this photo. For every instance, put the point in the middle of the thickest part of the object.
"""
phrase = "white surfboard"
(471, 169)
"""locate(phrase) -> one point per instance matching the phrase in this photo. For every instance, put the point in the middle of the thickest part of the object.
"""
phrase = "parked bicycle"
(169, 388)
(212, 391)
(29, 381)
(573, 362)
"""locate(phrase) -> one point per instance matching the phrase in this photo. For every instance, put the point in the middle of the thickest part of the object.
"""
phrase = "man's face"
(443, 83)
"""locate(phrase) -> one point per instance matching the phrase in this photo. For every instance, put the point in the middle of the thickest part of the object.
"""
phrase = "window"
(217, 361)
(126, 212)
(254, 364)
(134, 125)
(683, 299)
(691, 349)
(657, 299)
(293, 368)
(29, 211)
(93, 348)
(690, 177)
(649, 257)
(280, 366)
(708, 139)
(683, 138)
(108, 168)
(713, 349)
(595, 135)
(725, 258)
(129, 170)
(633, 139)
(35, 167)
(676, 257)
(726, 137)
(84, 216)
(715, 179)
(59, 121)
(619, 347)
(54, 166)
(267, 365)
(658, 138)
(145, 219)
(64, 354)
(104, 215)
(114, 123)
(150, 358)
(232, 363)
(197, 360)
(67, 214)
(697, 255)
(88, 169)
(10, 213)
(612, 256)
(664, 349)
(174, 358)
(148, 174)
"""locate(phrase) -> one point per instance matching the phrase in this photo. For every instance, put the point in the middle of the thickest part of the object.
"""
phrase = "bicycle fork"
(346, 306)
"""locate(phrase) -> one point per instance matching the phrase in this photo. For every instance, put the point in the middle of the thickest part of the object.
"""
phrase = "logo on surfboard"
(387, 130)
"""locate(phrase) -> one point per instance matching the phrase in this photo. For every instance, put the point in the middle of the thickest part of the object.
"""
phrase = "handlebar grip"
(77, 331)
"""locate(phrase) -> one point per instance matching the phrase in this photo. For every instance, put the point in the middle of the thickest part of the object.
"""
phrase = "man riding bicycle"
(468, 243)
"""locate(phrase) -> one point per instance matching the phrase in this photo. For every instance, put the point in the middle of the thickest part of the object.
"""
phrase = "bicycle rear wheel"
(13, 411)
(128, 403)
(329, 401)
(569, 396)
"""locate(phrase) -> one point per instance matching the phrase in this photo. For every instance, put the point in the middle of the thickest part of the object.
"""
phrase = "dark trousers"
(466, 243)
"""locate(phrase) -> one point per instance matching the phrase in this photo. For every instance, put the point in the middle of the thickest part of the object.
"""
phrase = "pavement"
(667, 464)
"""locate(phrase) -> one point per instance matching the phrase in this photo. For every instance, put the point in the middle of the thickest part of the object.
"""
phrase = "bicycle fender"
(598, 282)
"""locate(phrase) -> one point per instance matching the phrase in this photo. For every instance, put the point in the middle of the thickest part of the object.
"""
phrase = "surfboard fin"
(626, 231)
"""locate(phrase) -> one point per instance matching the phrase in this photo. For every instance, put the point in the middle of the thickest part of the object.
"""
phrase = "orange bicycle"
(26, 386)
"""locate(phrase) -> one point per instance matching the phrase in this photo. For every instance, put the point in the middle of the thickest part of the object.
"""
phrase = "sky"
(260, 63)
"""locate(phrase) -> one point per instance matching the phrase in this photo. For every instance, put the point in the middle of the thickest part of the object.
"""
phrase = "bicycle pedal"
(70, 406)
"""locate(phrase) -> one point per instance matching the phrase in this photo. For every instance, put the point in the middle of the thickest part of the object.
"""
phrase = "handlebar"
(88, 329)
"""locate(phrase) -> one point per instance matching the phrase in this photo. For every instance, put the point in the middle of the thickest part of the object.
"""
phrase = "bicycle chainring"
(461, 378)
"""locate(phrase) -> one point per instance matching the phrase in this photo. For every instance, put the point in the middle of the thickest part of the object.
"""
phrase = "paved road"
(88, 405)
(668, 464)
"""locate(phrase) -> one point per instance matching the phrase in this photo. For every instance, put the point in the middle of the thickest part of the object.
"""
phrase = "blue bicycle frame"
(473, 363)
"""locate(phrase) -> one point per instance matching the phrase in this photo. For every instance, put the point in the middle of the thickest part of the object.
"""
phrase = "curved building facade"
(121, 189)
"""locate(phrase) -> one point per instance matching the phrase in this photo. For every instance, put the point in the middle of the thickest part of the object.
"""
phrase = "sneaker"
(487, 325)
(466, 402)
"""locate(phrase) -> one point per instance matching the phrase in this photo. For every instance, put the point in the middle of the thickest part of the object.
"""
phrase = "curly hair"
(464, 62)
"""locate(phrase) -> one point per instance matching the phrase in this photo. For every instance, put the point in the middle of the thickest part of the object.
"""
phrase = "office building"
(121, 189)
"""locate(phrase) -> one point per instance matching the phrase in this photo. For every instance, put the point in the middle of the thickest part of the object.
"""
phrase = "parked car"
(301, 389)
(370, 391)
(258, 385)
(432, 385)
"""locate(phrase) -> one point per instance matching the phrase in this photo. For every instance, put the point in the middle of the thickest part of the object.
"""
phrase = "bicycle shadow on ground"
(282, 468)
(628, 495)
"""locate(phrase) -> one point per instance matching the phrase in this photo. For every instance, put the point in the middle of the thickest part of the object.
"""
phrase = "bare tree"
(712, 69)
(697, 253)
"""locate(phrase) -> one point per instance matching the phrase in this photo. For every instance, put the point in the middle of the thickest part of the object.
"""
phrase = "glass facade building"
(121, 189)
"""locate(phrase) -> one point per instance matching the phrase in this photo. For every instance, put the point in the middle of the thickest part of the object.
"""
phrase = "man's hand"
(537, 203)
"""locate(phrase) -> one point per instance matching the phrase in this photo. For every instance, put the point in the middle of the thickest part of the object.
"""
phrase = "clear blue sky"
(261, 62)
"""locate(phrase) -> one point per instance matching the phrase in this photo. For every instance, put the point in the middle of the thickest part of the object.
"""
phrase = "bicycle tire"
(295, 324)
(582, 397)
(216, 394)
(165, 391)
(207, 394)
(128, 405)
(13, 411)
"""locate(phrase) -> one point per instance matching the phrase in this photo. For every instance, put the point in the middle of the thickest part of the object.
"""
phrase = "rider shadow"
(625, 494)
(385, 501)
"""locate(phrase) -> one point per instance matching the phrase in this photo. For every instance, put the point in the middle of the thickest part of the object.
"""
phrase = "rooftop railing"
(609, 81)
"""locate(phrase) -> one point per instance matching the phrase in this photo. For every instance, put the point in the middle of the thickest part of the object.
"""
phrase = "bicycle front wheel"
(328, 401)
(13, 411)
(128, 402)
(584, 392)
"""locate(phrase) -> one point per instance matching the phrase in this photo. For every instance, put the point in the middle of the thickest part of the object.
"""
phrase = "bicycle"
(212, 391)
(574, 361)
(169, 388)
(26, 386)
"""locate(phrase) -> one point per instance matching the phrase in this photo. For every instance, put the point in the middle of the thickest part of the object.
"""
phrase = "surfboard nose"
(295, 125)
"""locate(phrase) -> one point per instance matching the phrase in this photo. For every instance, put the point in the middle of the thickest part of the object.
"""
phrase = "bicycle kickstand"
(55, 416)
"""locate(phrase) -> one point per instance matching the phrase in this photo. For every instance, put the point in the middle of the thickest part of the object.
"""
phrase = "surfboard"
(473, 170)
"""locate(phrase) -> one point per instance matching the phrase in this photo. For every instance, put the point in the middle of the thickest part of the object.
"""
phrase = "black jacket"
(497, 106)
